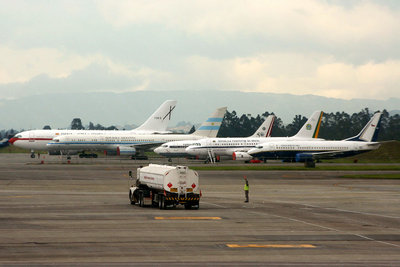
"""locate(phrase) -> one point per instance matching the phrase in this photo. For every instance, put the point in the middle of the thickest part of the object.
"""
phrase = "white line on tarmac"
(343, 210)
(313, 224)
(328, 228)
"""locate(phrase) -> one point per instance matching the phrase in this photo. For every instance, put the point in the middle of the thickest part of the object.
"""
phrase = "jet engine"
(241, 156)
(121, 151)
(303, 157)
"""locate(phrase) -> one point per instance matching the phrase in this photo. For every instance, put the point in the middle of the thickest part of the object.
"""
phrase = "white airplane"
(301, 151)
(38, 139)
(178, 148)
(238, 147)
(130, 144)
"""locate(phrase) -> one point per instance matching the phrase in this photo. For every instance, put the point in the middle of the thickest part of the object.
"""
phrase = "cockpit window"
(18, 136)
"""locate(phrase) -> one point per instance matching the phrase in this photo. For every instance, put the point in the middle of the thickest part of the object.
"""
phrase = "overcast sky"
(344, 49)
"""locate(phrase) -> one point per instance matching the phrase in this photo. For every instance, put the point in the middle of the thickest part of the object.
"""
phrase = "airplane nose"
(12, 140)
(157, 150)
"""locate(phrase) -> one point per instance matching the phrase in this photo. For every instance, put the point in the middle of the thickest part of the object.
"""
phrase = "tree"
(98, 126)
(296, 124)
(112, 128)
(76, 124)
(91, 126)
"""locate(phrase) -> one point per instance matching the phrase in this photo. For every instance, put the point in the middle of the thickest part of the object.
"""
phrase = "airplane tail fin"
(311, 128)
(158, 121)
(211, 126)
(370, 131)
(266, 127)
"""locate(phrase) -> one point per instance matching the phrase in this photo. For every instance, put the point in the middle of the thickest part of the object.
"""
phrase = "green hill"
(389, 152)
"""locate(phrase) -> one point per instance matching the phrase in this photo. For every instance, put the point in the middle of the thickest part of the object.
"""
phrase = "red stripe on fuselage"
(12, 140)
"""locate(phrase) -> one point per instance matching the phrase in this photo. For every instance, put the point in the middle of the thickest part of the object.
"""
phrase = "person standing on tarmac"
(246, 189)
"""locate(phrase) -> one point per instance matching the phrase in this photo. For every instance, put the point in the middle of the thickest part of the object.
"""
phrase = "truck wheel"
(131, 198)
(161, 202)
(196, 206)
(141, 203)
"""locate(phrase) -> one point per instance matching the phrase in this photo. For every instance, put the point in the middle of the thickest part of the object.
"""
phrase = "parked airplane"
(125, 143)
(4, 142)
(178, 148)
(38, 139)
(301, 151)
(238, 147)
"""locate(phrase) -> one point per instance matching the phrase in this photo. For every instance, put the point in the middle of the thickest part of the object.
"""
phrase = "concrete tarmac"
(79, 214)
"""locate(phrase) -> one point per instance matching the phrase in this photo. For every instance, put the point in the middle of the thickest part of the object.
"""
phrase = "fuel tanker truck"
(165, 186)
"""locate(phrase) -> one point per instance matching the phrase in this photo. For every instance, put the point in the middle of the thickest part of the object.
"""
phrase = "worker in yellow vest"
(246, 189)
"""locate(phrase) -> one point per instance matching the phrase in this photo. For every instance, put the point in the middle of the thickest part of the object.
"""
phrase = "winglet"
(158, 121)
(211, 126)
(266, 127)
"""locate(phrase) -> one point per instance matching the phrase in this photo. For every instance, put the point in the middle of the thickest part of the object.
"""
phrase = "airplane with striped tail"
(237, 147)
(177, 149)
(310, 151)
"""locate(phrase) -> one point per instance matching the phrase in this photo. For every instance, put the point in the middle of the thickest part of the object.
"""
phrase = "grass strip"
(373, 176)
(297, 168)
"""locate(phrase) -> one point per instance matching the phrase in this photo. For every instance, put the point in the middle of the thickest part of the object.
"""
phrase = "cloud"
(37, 71)
(321, 21)
(335, 48)
(21, 65)
(297, 74)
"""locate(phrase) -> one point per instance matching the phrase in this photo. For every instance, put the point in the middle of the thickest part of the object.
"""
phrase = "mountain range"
(132, 108)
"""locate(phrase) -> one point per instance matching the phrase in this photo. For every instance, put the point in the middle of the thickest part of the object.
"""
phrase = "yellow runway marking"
(270, 246)
(187, 218)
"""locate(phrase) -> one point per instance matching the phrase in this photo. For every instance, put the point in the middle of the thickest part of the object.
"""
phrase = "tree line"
(334, 126)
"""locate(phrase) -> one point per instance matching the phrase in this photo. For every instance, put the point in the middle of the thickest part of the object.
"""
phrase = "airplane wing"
(324, 155)
(147, 145)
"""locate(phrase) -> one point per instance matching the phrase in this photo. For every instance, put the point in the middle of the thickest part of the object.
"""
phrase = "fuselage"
(320, 149)
(226, 146)
(175, 148)
(38, 139)
(112, 140)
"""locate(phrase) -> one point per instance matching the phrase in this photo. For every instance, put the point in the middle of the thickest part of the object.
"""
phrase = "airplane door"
(31, 137)
(209, 143)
